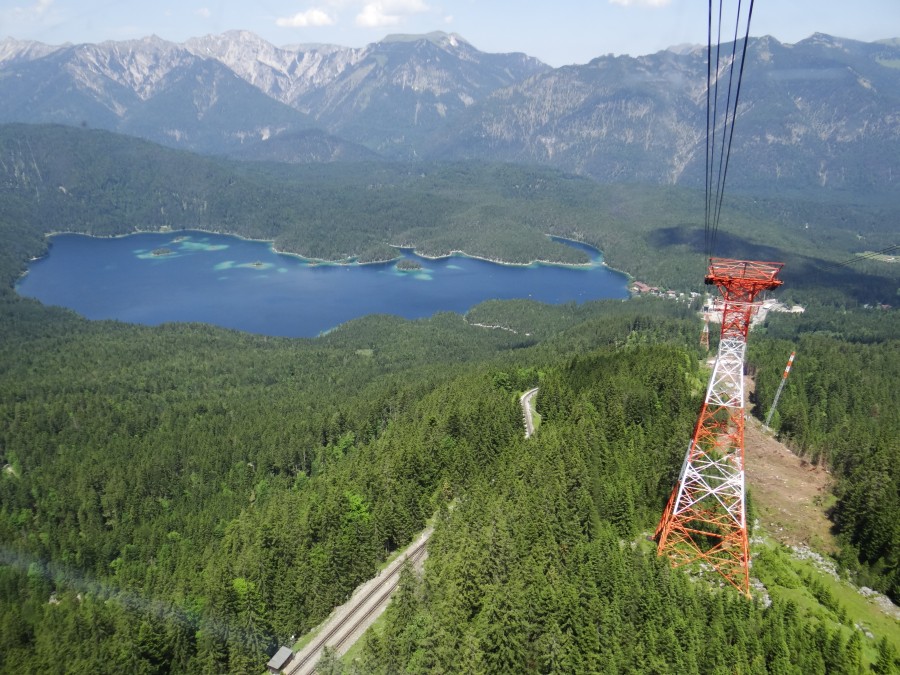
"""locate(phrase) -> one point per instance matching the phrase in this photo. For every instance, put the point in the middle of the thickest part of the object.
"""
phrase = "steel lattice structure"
(784, 377)
(705, 519)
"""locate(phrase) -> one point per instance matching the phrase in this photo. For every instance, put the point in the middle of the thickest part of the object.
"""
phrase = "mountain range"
(819, 117)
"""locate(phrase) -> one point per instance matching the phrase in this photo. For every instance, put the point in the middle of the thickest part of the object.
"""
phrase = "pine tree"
(501, 630)
(373, 653)
(887, 663)
(328, 663)
(151, 645)
(854, 652)
(836, 656)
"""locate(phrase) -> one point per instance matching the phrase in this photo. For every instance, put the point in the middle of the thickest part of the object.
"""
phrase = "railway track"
(351, 620)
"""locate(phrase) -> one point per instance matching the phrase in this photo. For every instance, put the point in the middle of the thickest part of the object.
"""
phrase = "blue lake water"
(245, 285)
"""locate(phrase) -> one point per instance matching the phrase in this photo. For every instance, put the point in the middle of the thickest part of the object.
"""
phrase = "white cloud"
(404, 6)
(374, 15)
(36, 10)
(28, 19)
(41, 6)
(203, 12)
(641, 3)
(388, 12)
(311, 17)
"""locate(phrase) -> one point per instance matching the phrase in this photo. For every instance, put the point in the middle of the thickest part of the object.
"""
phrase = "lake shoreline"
(353, 260)
(113, 277)
(496, 261)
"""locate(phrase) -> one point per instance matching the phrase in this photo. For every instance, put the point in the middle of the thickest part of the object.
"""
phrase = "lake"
(245, 285)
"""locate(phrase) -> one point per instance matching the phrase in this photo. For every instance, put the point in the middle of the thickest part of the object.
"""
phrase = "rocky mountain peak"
(25, 50)
(823, 40)
(140, 65)
(685, 48)
(439, 38)
(806, 112)
(284, 73)
(233, 42)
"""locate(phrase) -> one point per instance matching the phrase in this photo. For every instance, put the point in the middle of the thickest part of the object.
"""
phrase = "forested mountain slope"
(185, 498)
(838, 409)
(816, 118)
(147, 88)
(223, 491)
(56, 178)
(539, 569)
(224, 93)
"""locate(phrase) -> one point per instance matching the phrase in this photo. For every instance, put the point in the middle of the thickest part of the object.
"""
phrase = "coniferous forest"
(185, 499)
(839, 409)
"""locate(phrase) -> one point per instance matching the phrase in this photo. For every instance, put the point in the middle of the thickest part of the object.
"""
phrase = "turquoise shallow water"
(245, 285)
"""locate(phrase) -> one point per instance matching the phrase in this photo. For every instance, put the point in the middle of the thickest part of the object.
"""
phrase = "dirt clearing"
(789, 495)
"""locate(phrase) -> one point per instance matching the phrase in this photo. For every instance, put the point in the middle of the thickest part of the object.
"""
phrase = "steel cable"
(716, 175)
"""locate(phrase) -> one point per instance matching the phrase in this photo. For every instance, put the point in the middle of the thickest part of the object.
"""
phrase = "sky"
(558, 32)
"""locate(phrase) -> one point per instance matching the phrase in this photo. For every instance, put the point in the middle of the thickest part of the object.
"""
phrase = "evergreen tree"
(887, 661)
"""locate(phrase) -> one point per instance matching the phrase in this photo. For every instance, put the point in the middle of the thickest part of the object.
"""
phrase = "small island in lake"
(408, 265)
(162, 251)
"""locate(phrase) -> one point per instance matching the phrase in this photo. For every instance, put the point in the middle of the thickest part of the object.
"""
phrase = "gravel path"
(527, 410)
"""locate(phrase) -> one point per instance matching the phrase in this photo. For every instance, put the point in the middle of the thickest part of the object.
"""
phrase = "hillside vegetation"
(358, 211)
(839, 409)
(185, 498)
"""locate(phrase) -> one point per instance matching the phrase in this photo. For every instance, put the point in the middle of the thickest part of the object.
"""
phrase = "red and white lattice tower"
(784, 377)
(705, 519)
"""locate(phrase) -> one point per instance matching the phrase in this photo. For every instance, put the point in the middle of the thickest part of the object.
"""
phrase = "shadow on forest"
(801, 272)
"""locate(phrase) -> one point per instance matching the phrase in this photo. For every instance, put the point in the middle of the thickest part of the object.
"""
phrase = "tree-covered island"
(409, 265)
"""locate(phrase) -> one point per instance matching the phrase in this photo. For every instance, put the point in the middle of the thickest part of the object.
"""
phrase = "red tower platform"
(705, 519)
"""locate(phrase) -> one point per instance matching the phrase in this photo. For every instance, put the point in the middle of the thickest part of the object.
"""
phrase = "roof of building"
(281, 657)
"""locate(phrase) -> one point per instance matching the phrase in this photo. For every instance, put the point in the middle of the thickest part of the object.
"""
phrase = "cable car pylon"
(784, 377)
(704, 334)
(705, 520)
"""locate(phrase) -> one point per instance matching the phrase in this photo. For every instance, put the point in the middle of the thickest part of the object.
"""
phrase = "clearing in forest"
(789, 495)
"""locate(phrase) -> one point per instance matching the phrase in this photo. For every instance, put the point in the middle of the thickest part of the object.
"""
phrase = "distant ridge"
(817, 116)
(436, 37)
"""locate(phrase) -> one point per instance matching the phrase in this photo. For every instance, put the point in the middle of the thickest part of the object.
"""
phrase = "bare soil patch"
(789, 494)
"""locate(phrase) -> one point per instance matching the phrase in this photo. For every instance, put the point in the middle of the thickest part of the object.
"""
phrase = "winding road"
(528, 410)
